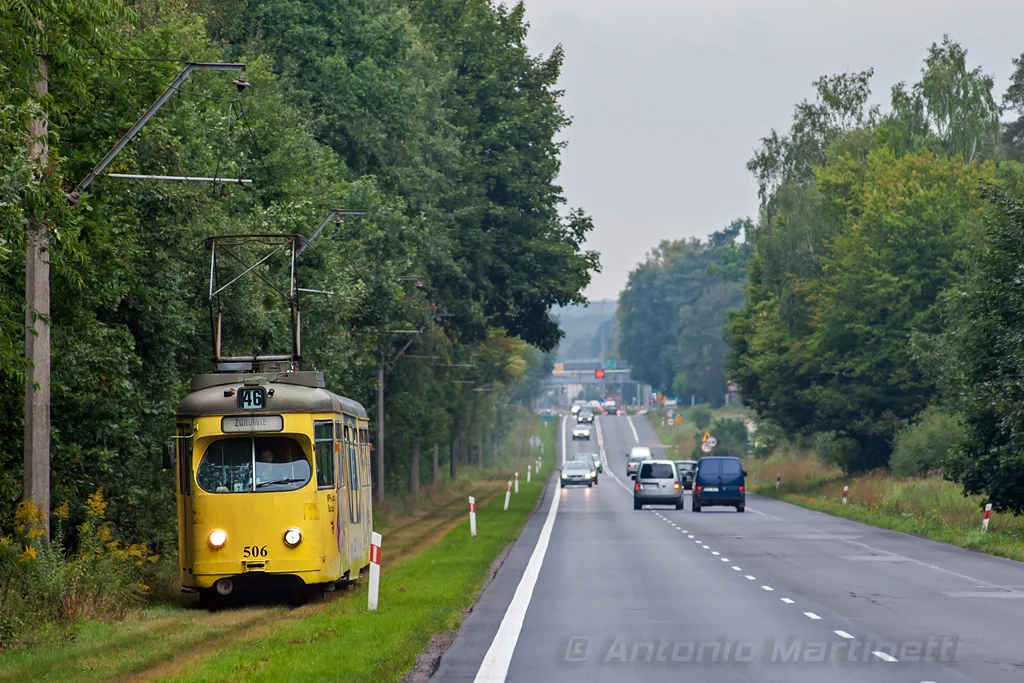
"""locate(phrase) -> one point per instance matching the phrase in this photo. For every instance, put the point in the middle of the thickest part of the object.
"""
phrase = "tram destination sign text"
(234, 424)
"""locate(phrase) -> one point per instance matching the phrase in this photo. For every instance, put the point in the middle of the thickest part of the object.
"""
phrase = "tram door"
(341, 507)
(183, 454)
(355, 504)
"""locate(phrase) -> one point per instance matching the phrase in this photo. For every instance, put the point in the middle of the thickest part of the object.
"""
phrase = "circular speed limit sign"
(711, 442)
(706, 446)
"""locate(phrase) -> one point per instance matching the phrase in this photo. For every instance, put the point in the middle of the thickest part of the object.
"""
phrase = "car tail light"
(636, 486)
(741, 489)
(698, 489)
(676, 486)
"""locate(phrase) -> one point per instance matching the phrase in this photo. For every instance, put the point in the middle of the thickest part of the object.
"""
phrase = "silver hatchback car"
(657, 483)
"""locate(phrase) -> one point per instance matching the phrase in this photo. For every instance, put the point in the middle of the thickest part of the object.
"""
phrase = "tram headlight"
(293, 537)
(217, 538)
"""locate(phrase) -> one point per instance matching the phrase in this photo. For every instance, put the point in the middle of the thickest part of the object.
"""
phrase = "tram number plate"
(252, 398)
(254, 551)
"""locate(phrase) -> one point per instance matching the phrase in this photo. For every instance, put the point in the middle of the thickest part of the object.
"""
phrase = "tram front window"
(240, 465)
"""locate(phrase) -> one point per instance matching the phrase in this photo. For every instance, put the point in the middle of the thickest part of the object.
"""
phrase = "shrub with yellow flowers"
(44, 585)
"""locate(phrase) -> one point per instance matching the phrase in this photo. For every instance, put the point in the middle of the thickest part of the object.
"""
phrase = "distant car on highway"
(581, 431)
(721, 481)
(595, 458)
(633, 464)
(657, 483)
(585, 415)
(577, 472)
(577, 406)
(686, 469)
(585, 457)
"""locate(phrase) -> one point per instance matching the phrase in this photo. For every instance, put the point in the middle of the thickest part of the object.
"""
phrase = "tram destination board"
(234, 424)
(252, 398)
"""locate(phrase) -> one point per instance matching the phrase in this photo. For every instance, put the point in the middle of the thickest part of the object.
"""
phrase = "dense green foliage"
(869, 220)
(672, 312)
(920, 448)
(433, 117)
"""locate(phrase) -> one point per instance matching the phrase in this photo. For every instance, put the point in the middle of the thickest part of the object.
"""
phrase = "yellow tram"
(273, 485)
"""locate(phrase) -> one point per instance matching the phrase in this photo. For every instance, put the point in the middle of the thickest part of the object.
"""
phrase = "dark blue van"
(719, 481)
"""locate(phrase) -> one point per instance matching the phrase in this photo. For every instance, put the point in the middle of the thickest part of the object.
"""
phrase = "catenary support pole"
(380, 434)
(37, 312)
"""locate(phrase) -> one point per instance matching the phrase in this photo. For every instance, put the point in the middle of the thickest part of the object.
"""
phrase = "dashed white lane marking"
(725, 559)
(884, 656)
(690, 536)
(751, 578)
(685, 531)
(811, 615)
(715, 552)
(736, 569)
(786, 600)
(499, 654)
(706, 547)
(767, 588)
(843, 634)
(629, 419)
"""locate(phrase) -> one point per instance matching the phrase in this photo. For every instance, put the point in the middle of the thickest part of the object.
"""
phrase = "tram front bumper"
(205, 574)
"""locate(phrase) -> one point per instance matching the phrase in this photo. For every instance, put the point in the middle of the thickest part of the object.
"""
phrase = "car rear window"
(657, 470)
(710, 466)
(731, 466)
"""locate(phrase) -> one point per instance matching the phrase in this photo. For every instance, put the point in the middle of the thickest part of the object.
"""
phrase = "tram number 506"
(254, 551)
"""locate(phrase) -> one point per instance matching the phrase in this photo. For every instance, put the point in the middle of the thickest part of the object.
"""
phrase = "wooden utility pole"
(37, 327)
(380, 433)
(437, 471)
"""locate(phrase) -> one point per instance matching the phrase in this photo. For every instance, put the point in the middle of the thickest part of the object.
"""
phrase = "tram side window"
(323, 438)
(339, 438)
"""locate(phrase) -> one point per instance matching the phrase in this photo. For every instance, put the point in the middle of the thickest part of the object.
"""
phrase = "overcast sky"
(670, 97)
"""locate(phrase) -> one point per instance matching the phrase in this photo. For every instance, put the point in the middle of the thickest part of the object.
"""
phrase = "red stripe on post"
(472, 507)
(374, 554)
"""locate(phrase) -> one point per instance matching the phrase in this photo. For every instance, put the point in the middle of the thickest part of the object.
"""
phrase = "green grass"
(929, 507)
(423, 594)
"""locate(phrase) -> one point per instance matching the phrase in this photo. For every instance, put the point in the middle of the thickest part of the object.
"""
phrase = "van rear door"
(709, 476)
(732, 477)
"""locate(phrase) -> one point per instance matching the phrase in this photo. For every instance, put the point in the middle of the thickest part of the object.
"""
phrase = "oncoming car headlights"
(217, 539)
(293, 537)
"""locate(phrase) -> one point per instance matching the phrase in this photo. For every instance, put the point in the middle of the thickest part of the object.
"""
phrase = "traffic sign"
(534, 441)
(678, 419)
(707, 435)
(706, 447)
(609, 364)
(711, 442)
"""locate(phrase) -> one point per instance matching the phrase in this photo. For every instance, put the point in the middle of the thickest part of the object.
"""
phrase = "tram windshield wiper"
(279, 482)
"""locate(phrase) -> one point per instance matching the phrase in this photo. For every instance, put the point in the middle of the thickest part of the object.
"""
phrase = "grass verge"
(175, 640)
(929, 507)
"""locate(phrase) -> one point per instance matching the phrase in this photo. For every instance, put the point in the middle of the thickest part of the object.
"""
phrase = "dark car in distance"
(721, 481)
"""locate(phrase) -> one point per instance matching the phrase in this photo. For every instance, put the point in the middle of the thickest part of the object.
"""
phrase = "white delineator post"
(529, 469)
(472, 516)
(988, 513)
(375, 540)
(508, 493)
(778, 480)
(517, 482)
(846, 490)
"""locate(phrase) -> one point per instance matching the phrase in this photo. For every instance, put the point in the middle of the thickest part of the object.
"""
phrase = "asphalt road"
(595, 591)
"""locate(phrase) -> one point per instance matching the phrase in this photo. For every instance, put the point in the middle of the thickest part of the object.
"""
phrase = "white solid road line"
(843, 634)
(629, 419)
(884, 656)
(494, 668)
